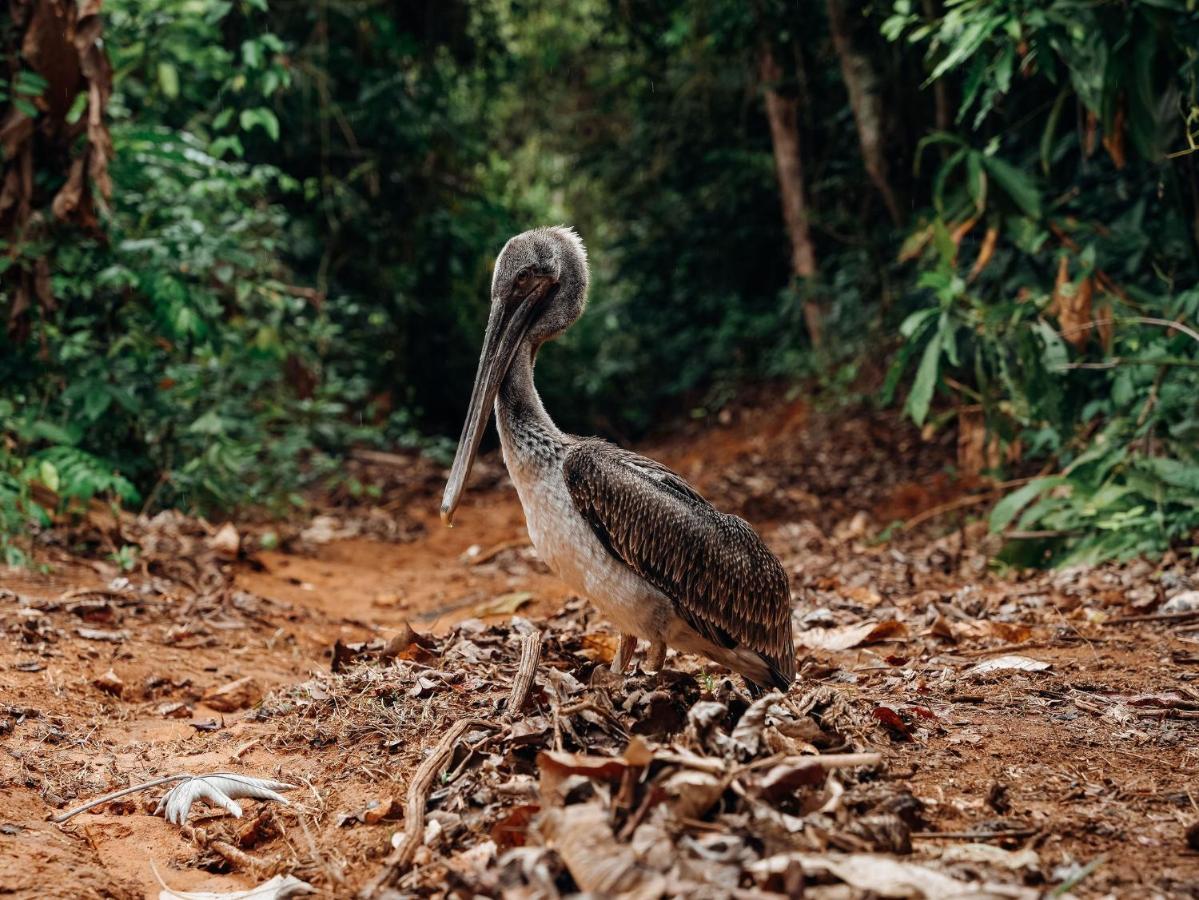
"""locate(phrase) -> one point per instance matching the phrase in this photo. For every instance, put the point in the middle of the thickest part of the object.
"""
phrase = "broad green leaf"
(209, 423)
(262, 118)
(1007, 508)
(168, 80)
(921, 395)
(1015, 184)
(48, 475)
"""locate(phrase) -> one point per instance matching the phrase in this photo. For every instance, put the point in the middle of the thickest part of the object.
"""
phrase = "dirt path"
(1090, 757)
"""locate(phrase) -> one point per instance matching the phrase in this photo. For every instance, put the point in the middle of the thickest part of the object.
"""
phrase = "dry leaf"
(1008, 632)
(747, 735)
(599, 864)
(783, 780)
(985, 251)
(880, 875)
(1011, 663)
(221, 789)
(991, 855)
(847, 636)
(556, 766)
(234, 696)
(504, 604)
(691, 793)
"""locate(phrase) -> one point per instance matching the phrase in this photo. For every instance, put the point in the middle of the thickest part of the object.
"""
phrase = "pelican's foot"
(624, 653)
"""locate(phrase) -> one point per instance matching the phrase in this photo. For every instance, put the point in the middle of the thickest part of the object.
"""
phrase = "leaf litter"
(895, 767)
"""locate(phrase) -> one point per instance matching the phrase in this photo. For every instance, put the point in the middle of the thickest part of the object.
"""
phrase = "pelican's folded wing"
(723, 580)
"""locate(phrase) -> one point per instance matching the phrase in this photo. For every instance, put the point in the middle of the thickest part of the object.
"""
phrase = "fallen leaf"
(1011, 663)
(1008, 632)
(372, 814)
(690, 793)
(512, 830)
(747, 735)
(880, 875)
(556, 766)
(504, 604)
(846, 636)
(991, 855)
(583, 837)
(407, 643)
(221, 789)
(893, 721)
(234, 696)
(784, 779)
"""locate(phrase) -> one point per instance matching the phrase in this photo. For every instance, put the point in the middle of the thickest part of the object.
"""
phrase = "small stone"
(110, 683)
(234, 696)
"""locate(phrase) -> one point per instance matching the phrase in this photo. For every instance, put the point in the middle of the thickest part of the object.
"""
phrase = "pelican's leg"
(624, 653)
(656, 657)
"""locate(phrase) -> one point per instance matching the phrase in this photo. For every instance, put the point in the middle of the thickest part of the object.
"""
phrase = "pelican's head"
(538, 290)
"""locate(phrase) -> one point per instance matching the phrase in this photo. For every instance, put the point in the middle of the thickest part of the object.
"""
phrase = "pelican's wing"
(724, 581)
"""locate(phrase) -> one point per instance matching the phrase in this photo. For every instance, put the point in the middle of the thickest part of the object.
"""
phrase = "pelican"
(657, 560)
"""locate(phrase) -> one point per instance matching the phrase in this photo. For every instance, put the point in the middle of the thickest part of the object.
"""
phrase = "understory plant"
(1060, 256)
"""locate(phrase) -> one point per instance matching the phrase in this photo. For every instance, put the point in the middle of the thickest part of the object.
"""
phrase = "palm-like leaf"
(221, 789)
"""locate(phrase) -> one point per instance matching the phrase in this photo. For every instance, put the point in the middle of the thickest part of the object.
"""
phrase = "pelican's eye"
(523, 277)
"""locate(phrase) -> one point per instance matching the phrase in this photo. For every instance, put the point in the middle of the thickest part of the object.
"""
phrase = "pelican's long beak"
(506, 329)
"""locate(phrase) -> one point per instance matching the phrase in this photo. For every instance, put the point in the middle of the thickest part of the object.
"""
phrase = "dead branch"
(240, 859)
(400, 858)
(530, 653)
(974, 835)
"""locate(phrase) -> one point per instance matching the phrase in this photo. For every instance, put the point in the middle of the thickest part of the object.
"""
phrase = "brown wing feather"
(723, 580)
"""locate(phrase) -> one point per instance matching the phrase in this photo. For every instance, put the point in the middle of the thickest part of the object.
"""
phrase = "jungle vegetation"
(240, 236)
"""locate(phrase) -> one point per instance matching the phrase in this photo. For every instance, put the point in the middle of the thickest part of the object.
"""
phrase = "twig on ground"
(400, 858)
(974, 835)
(530, 653)
(240, 858)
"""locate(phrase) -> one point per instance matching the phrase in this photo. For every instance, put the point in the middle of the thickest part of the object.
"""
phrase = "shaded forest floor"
(1030, 737)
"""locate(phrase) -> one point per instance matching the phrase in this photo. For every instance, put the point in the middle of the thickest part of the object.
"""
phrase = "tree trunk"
(783, 113)
(862, 83)
(940, 95)
(61, 41)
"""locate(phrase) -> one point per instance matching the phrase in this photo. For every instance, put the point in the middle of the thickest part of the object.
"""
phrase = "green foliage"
(1052, 319)
(308, 197)
(174, 367)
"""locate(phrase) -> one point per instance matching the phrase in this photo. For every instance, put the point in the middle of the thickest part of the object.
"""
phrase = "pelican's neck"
(527, 433)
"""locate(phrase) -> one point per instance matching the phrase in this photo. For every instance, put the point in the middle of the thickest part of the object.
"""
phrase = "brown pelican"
(654, 556)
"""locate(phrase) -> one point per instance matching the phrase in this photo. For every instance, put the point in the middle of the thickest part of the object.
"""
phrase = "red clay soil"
(1090, 760)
